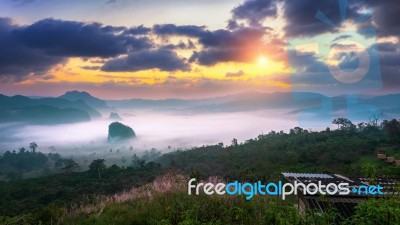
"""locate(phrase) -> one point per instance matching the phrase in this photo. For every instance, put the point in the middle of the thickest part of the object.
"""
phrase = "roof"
(344, 205)
(309, 175)
(389, 184)
(345, 209)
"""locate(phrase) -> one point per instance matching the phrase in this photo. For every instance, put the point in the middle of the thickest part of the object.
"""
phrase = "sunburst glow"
(262, 61)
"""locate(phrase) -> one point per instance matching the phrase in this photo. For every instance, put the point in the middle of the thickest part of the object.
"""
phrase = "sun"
(262, 60)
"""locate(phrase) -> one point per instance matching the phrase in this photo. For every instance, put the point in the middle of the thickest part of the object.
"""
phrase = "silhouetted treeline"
(16, 163)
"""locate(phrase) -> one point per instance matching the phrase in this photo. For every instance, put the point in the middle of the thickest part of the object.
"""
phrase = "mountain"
(118, 131)
(291, 102)
(232, 103)
(86, 97)
(53, 110)
(114, 116)
(43, 115)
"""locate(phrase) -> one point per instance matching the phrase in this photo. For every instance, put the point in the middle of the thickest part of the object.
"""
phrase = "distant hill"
(118, 131)
(114, 116)
(232, 103)
(43, 115)
(45, 110)
(86, 97)
(293, 102)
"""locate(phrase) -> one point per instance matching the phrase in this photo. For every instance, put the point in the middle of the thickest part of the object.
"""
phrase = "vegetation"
(345, 150)
(15, 165)
(165, 201)
(104, 195)
(70, 188)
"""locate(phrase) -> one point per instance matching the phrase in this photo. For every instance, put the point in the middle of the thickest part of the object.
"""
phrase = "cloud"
(301, 16)
(77, 39)
(213, 56)
(389, 57)
(302, 21)
(341, 37)
(32, 50)
(162, 59)
(254, 11)
(181, 45)
(385, 16)
(387, 47)
(19, 61)
(239, 45)
(90, 67)
(235, 74)
(306, 63)
(186, 30)
(138, 30)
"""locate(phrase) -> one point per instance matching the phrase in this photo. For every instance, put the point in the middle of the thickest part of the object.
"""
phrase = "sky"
(119, 49)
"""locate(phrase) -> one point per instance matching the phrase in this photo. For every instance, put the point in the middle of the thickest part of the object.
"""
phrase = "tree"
(33, 146)
(70, 165)
(97, 166)
(344, 124)
(137, 162)
(234, 142)
(374, 118)
(370, 172)
(22, 150)
(392, 130)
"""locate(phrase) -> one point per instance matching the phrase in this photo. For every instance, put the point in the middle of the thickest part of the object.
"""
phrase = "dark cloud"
(306, 63)
(385, 16)
(235, 74)
(162, 59)
(34, 49)
(216, 55)
(139, 30)
(239, 45)
(389, 54)
(70, 38)
(302, 21)
(389, 57)
(19, 61)
(254, 12)
(180, 45)
(112, 29)
(387, 47)
(341, 37)
(172, 29)
(301, 16)
(227, 38)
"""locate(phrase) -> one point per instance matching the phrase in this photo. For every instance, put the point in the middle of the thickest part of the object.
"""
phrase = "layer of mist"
(163, 131)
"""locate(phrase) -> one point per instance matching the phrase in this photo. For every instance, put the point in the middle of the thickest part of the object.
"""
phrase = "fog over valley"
(153, 130)
(76, 123)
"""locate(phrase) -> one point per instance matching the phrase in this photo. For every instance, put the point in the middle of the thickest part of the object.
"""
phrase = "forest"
(151, 189)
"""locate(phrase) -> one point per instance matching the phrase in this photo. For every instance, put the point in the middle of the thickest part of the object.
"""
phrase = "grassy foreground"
(165, 201)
